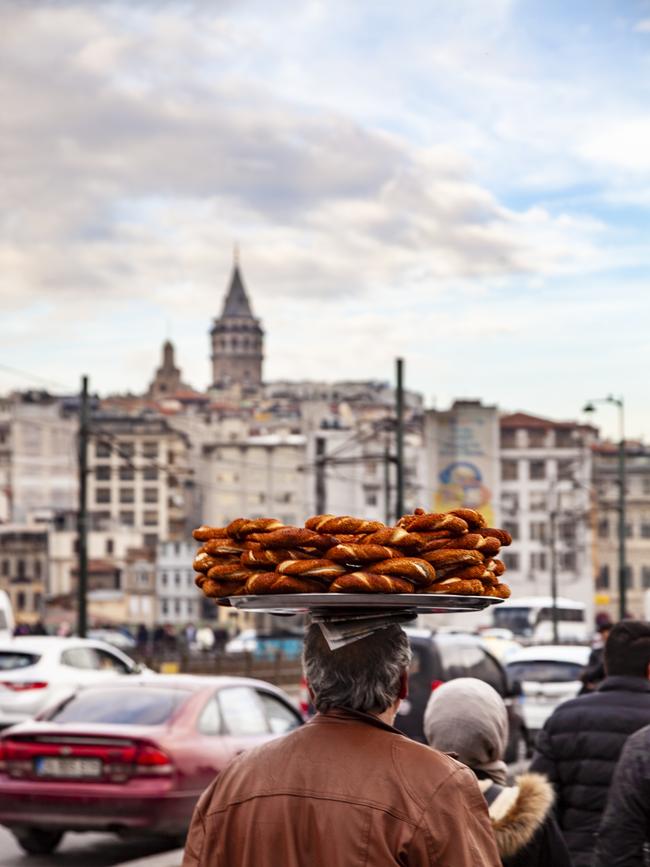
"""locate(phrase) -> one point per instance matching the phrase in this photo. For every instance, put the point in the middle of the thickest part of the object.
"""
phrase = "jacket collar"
(625, 683)
(344, 714)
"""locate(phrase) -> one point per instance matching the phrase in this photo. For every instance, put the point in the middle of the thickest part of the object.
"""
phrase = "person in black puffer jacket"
(582, 740)
(625, 830)
(468, 719)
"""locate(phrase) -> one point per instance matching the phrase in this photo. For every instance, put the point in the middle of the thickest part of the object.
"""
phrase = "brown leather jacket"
(345, 790)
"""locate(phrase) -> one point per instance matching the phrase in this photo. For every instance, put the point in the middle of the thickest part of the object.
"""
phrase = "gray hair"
(362, 676)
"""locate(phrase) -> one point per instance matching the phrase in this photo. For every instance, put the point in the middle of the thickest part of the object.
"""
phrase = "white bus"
(530, 619)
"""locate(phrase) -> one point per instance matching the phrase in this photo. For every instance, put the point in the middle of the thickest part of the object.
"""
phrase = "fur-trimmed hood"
(519, 811)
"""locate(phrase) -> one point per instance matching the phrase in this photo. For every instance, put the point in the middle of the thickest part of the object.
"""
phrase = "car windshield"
(148, 707)
(544, 671)
(12, 659)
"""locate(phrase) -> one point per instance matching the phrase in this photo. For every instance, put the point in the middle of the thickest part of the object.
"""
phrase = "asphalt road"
(80, 850)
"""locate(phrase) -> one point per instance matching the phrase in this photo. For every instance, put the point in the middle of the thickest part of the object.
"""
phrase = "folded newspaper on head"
(343, 629)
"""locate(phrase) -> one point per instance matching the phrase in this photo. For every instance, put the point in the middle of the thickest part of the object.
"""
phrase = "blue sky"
(465, 184)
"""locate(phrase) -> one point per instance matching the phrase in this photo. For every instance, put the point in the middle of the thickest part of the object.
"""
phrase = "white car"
(36, 671)
(548, 676)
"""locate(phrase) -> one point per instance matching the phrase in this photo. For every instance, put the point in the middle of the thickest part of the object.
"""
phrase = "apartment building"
(178, 600)
(546, 505)
(38, 458)
(139, 477)
(637, 528)
(24, 569)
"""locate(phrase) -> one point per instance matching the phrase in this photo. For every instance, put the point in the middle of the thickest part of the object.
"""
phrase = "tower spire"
(235, 254)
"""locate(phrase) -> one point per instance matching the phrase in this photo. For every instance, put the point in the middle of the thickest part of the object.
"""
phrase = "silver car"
(36, 671)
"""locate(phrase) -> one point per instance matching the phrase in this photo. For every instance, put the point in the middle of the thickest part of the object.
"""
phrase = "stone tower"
(237, 340)
(168, 377)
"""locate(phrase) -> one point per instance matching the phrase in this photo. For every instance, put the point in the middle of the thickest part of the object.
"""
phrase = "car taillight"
(23, 685)
(152, 761)
(435, 684)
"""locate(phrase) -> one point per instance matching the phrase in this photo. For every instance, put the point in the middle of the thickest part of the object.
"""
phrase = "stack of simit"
(452, 552)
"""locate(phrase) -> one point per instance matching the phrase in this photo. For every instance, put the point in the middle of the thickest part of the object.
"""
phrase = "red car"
(131, 757)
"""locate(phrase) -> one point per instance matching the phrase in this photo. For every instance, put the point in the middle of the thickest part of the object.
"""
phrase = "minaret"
(237, 339)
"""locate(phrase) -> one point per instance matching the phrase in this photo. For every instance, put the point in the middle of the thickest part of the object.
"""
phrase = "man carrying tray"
(346, 789)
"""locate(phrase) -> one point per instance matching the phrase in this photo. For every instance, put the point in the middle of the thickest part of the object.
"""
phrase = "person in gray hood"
(468, 719)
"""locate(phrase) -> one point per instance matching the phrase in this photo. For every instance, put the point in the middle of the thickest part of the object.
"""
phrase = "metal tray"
(298, 603)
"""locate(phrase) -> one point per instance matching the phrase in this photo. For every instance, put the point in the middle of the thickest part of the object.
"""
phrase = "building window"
(21, 601)
(177, 579)
(645, 577)
(511, 560)
(287, 497)
(126, 450)
(371, 498)
(537, 470)
(507, 438)
(629, 530)
(150, 540)
(512, 527)
(127, 495)
(567, 561)
(102, 495)
(150, 474)
(564, 439)
(102, 450)
(127, 474)
(567, 532)
(261, 498)
(629, 577)
(5, 567)
(150, 518)
(165, 607)
(110, 547)
(603, 528)
(127, 519)
(150, 449)
(509, 502)
(602, 581)
(538, 530)
(509, 470)
(103, 473)
(37, 569)
(645, 530)
(163, 578)
(151, 495)
(565, 470)
(20, 569)
(538, 561)
(538, 503)
(645, 484)
(536, 438)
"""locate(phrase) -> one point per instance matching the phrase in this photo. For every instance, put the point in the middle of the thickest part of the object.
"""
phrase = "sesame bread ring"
(360, 553)
(229, 572)
(318, 570)
(487, 545)
(351, 538)
(224, 547)
(403, 521)
(446, 557)
(366, 582)
(261, 583)
(216, 589)
(471, 516)
(496, 566)
(457, 586)
(202, 534)
(464, 572)
(290, 537)
(242, 527)
(204, 562)
(395, 537)
(502, 535)
(435, 521)
(489, 579)
(419, 572)
(261, 558)
(501, 591)
(342, 524)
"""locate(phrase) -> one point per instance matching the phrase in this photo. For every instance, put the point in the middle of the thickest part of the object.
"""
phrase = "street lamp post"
(622, 570)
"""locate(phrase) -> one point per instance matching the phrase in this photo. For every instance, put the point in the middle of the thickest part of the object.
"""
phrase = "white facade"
(38, 458)
(255, 477)
(545, 482)
(177, 598)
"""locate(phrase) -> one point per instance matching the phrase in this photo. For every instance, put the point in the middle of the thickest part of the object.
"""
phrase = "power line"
(35, 378)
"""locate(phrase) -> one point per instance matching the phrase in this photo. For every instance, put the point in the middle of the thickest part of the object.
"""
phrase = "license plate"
(68, 768)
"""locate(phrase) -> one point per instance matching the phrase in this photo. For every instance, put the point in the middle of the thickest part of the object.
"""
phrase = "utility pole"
(82, 514)
(321, 494)
(387, 460)
(399, 407)
(553, 552)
